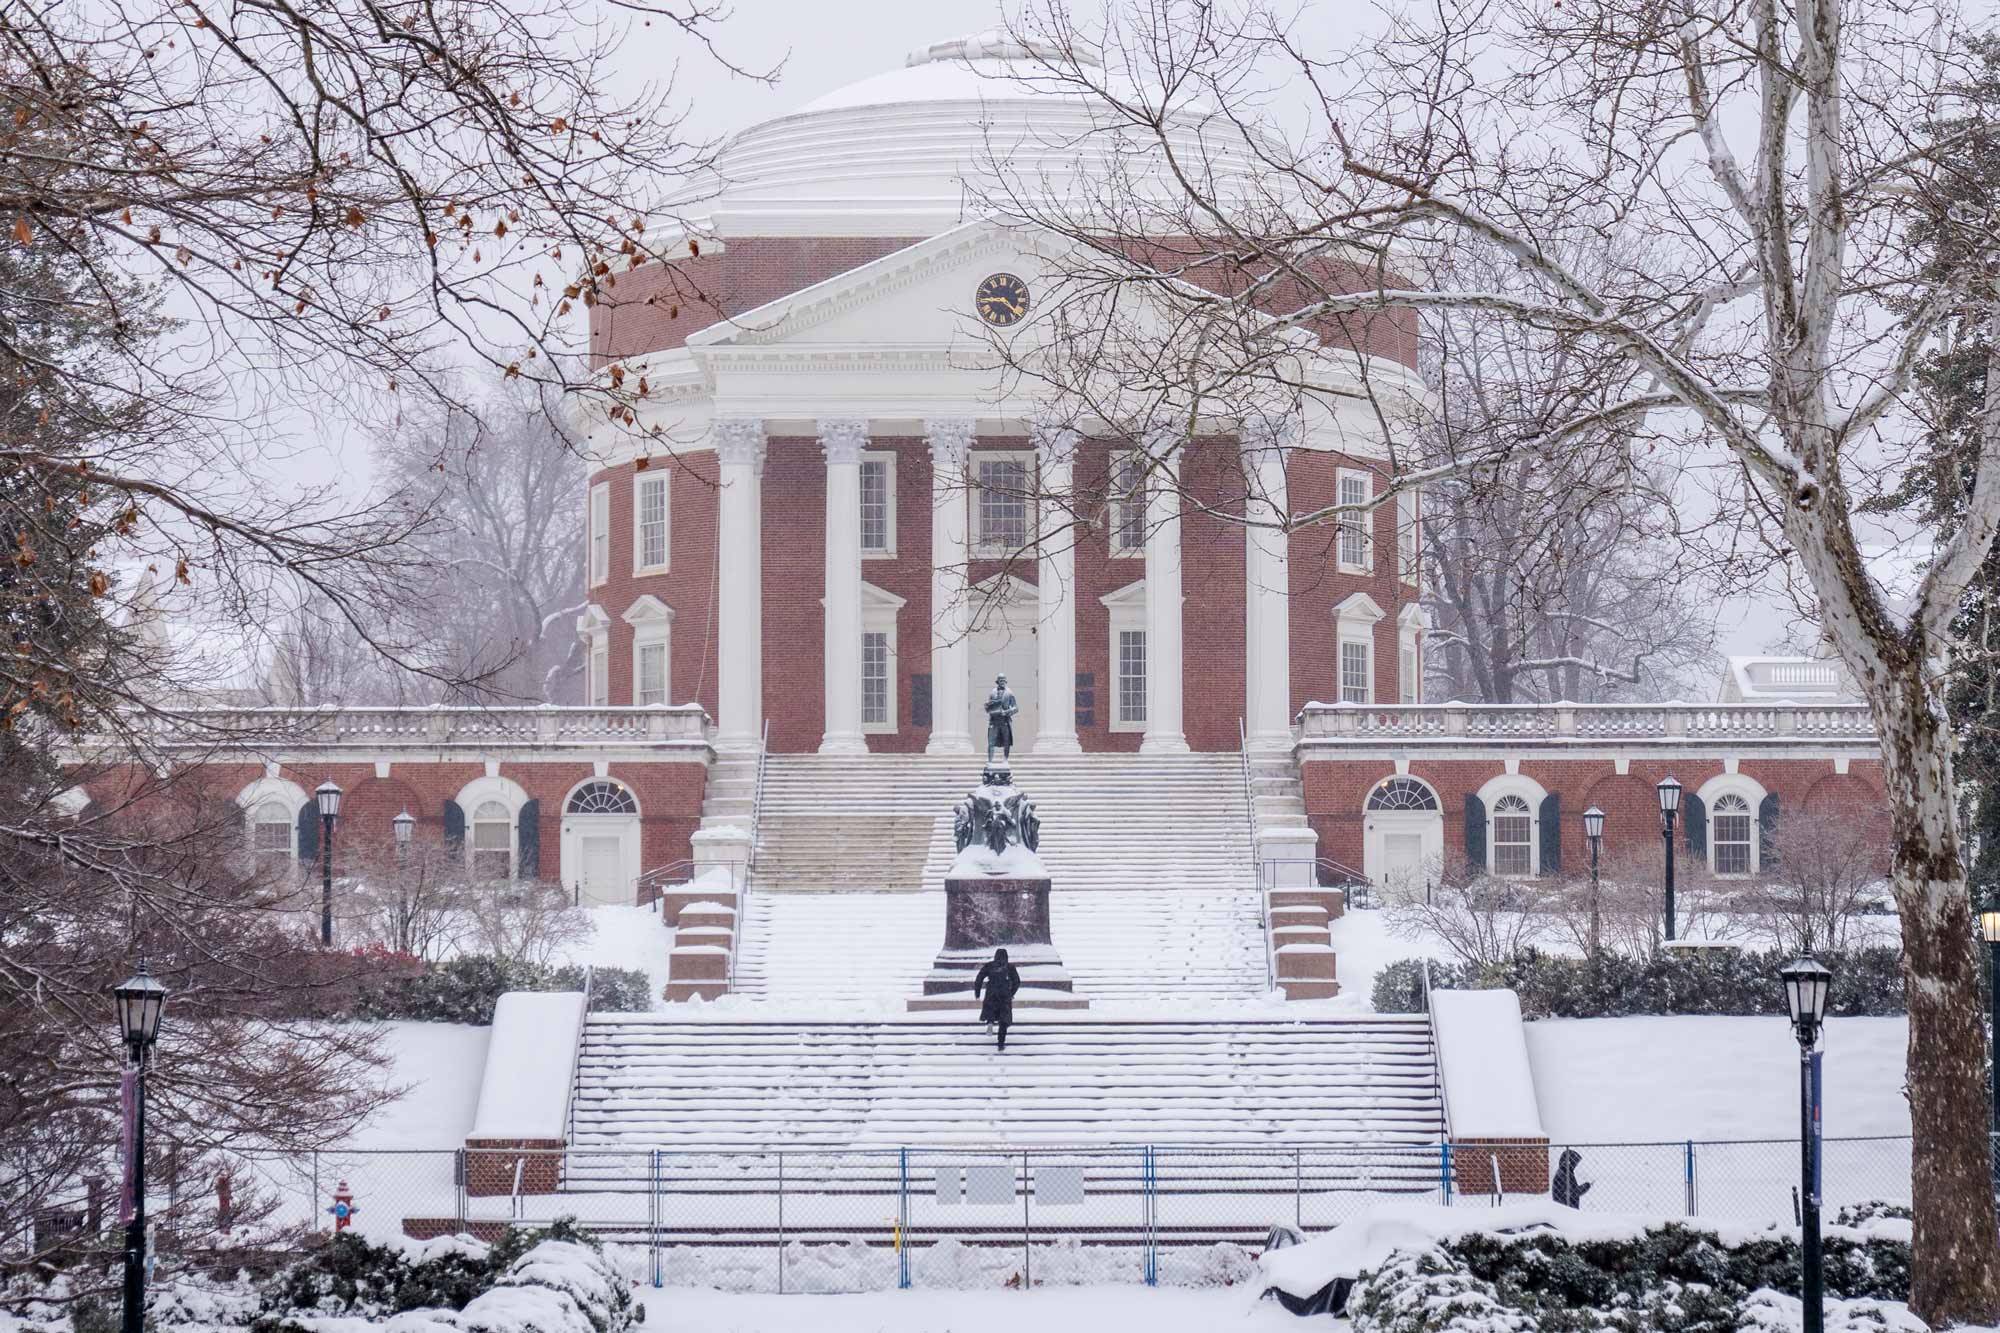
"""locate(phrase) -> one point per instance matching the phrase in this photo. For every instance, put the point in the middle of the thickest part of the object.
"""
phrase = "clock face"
(1001, 300)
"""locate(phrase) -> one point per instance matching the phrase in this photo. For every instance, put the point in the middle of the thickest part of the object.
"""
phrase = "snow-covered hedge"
(1867, 982)
(465, 989)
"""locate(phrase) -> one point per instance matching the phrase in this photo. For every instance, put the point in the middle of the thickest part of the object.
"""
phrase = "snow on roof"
(1489, 1086)
(1797, 679)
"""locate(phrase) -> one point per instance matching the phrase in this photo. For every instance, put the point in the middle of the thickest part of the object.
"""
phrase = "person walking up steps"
(1000, 979)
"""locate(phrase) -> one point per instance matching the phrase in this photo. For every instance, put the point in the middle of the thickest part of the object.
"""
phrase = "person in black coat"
(1000, 979)
(1568, 1190)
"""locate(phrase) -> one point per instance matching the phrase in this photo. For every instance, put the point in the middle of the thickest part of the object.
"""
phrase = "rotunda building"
(845, 527)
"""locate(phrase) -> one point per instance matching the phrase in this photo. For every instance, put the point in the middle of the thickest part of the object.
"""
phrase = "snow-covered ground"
(633, 937)
(1063, 1310)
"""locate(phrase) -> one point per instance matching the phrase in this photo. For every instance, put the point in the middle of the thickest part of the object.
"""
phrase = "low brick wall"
(489, 1166)
(1524, 1165)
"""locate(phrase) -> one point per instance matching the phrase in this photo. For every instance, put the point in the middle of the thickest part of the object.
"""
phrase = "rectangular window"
(600, 674)
(874, 679)
(600, 533)
(1355, 489)
(1729, 834)
(1354, 673)
(1126, 512)
(492, 857)
(1510, 846)
(1001, 513)
(649, 522)
(1407, 558)
(1132, 676)
(1407, 673)
(652, 684)
(878, 504)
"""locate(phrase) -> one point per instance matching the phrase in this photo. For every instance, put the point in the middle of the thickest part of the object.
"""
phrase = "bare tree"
(413, 900)
(1772, 159)
(1483, 919)
(1830, 870)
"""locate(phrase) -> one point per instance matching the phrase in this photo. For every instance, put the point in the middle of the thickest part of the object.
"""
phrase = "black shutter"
(1694, 819)
(309, 831)
(1086, 700)
(1475, 832)
(528, 864)
(1552, 834)
(920, 700)
(1767, 832)
(454, 828)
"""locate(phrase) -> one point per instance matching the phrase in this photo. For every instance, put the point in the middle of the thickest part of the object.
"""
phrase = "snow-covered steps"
(875, 948)
(1109, 821)
(648, 1081)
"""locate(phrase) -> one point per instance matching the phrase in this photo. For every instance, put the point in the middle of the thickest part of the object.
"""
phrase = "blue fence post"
(653, 1210)
(1150, 1202)
(1690, 1178)
(1444, 1173)
(903, 1222)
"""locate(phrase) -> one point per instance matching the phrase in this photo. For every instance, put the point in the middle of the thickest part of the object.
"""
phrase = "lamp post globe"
(1670, 804)
(141, 1000)
(327, 794)
(1807, 983)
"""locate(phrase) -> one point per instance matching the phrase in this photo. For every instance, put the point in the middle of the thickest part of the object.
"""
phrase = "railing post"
(1444, 1173)
(903, 1220)
(1690, 1178)
(653, 1213)
(1149, 1170)
(781, 1223)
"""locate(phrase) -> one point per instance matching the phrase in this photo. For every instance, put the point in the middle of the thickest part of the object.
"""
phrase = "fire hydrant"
(343, 1208)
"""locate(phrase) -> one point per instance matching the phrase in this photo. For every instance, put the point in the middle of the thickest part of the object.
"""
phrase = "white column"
(1267, 637)
(950, 443)
(1163, 598)
(1055, 586)
(739, 631)
(842, 439)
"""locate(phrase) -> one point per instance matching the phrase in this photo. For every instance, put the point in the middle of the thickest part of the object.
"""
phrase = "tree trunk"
(1956, 1274)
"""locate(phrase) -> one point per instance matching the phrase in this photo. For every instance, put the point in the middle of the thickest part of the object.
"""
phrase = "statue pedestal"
(982, 914)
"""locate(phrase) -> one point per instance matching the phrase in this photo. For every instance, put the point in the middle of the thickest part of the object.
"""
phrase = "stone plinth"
(983, 914)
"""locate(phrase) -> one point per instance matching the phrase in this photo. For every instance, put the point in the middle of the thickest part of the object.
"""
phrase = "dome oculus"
(1001, 300)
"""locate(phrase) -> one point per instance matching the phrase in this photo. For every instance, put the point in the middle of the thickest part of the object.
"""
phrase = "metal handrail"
(1256, 864)
(576, 1052)
(1437, 1054)
(757, 804)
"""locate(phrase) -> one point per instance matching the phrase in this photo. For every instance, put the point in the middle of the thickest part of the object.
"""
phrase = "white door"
(1403, 862)
(604, 883)
(1003, 643)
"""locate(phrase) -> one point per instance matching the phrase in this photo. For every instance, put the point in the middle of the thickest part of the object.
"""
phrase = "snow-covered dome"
(914, 150)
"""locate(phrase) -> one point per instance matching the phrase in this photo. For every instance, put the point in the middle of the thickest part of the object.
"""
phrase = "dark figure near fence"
(1567, 1190)
(999, 979)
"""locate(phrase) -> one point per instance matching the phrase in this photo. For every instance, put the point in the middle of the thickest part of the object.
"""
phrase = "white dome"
(913, 151)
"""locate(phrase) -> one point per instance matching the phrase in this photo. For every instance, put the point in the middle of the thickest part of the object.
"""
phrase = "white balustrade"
(1501, 724)
(426, 727)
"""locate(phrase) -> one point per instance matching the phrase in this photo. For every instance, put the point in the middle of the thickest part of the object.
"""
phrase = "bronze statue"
(1001, 705)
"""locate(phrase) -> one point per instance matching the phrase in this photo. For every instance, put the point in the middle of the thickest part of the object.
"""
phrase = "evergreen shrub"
(466, 988)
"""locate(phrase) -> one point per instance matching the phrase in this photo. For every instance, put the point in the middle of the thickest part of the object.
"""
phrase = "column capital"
(842, 439)
(950, 440)
(1270, 430)
(739, 440)
(1054, 441)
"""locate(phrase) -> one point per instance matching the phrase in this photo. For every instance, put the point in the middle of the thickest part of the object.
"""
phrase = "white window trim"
(1409, 518)
(652, 622)
(1753, 794)
(598, 534)
(979, 545)
(887, 457)
(289, 794)
(641, 480)
(880, 609)
(1126, 611)
(1365, 520)
(508, 794)
(1354, 621)
(594, 628)
(1529, 790)
(1112, 549)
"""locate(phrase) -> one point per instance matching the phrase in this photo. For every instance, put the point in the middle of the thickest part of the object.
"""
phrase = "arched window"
(1513, 838)
(272, 829)
(492, 841)
(1403, 794)
(602, 797)
(1732, 836)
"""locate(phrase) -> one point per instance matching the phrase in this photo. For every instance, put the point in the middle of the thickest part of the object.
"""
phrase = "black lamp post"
(1593, 832)
(328, 797)
(1670, 805)
(1806, 983)
(405, 826)
(1989, 929)
(140, 1001)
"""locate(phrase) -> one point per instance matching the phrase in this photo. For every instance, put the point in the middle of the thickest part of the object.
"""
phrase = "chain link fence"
(871, 1219)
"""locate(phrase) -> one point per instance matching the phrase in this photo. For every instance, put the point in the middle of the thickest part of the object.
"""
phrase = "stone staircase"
(647, 1081)
(1109, 821)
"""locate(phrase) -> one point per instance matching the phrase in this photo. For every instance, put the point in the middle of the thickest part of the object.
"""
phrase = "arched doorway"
(600, 843)
(1402, 844)
(1005, 614)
